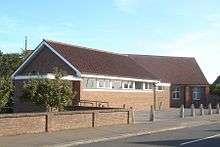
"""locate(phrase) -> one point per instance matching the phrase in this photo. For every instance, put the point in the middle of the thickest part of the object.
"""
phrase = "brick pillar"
(188, 99)
(76, 92)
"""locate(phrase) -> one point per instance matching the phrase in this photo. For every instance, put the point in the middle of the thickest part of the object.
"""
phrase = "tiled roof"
(175, 70)
(91, 61)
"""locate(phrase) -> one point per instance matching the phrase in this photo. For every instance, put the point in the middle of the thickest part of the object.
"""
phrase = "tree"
(9, 63)
(215, 89)
(48, 93)
(6, 89)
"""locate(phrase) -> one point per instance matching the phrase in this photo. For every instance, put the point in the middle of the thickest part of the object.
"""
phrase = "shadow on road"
(164, 142)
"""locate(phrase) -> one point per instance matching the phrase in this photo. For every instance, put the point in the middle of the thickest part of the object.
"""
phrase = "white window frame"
(147, 86)
(175, 91)
(142, 85)
(129, 84)
(197, 92)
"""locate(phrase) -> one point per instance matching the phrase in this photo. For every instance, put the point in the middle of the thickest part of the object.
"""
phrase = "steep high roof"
(175, 70)
(92, 61)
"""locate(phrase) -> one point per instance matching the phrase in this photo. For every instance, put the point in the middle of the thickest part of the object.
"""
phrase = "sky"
(189, 28)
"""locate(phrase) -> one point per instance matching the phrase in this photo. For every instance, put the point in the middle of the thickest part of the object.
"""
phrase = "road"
(207, 135)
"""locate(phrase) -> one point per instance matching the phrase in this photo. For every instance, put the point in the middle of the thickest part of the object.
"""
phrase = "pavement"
(106, 133)
(205, 135)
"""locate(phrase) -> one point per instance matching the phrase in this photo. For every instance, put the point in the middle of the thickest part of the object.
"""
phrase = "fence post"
(152, 113)
(193, 112)
(182, 111)
(218, 109)
(210, 109)
(201, 110)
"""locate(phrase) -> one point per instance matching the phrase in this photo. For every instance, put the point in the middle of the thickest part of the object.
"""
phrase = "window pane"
(150, 85)
(116, 84)
(91, 83)
(101, 83)
(138, 85)
(107, 83)
(131, 85)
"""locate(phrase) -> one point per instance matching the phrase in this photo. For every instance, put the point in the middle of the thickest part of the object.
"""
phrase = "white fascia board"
(48, 76)
(62, 58)
(38, 48)
(117, 78)
(28, 59)
(163, 84)
(118, 90)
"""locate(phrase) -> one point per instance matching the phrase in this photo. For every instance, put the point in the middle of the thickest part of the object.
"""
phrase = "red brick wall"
(45, 62)
(21, 123)
(186, 96)
(141, 100)
(13, 124)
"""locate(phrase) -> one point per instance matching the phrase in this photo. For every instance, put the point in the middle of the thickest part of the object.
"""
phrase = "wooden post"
(201, 110)
(210, 109)
(182, 111)
(193, 112)
(152, 113)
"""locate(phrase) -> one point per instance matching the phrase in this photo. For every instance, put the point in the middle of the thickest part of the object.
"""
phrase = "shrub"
(48, 93)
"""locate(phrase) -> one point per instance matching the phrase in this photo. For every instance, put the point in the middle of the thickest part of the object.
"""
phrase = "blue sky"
(172, 27)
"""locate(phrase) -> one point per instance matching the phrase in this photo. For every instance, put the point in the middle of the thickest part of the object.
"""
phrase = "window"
(116, 84)
(103, 83)
(149, 85)
(89, 83)
(196, 93)
(138, 85)
(176, 93)
(127, 85)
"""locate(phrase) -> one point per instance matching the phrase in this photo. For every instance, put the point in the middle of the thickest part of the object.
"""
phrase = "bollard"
(124, 106)
(182, 111)
(193, 112)
(210, 109)
(201, 110)
(131, 114)
(217, 108)
(152, 113)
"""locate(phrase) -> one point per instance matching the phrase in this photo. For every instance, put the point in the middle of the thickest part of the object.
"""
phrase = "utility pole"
(25, 42)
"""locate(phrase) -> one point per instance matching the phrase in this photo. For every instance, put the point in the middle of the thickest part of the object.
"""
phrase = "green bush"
(6, 90)
(48, 93)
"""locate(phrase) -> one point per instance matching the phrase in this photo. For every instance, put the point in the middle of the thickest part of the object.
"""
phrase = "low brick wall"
(13, 124)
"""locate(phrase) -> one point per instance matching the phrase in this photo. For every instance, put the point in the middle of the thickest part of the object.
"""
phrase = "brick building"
(104, 77)
(188, 83)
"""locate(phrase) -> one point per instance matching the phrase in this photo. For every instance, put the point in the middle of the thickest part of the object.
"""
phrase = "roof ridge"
(160, 56)
(84, 47)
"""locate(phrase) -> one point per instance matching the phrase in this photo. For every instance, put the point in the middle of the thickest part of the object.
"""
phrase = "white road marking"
(201, 139)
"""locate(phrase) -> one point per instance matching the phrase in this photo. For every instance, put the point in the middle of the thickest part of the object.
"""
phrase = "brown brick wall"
(13, 124)
(113, 118)
(19, 124)
(45, 62)
(137, 100)
(63, 122)
(186, 96)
